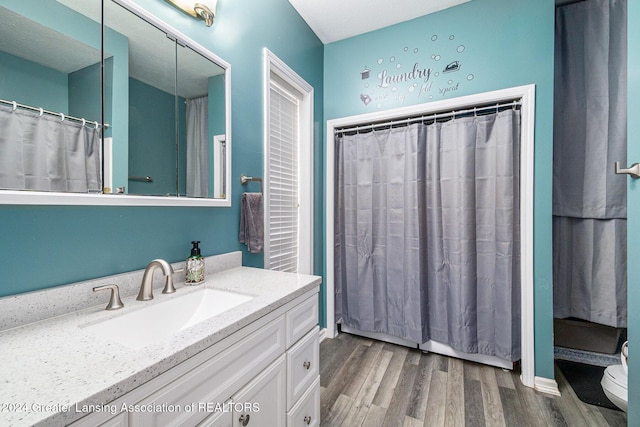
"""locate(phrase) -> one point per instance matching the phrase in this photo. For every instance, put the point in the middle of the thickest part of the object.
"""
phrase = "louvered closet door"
(282, 208)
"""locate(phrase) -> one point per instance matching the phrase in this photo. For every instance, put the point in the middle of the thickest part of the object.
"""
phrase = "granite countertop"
(51, 367)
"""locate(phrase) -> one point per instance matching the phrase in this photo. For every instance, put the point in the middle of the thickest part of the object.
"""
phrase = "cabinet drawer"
(306, 412)
(215, 380)
(301, 319)
(303, 361)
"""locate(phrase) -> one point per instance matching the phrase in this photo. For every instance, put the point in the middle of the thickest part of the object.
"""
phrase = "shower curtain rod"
(53, 113)
(431, 116)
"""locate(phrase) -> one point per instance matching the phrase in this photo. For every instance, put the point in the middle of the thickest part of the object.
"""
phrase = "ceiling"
(21, 37)
(334, 20)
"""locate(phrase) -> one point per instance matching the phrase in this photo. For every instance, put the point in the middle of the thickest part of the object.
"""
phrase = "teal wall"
(633, 231)
(497, 44)
(68, 244)
(152, 138)
(76, 94)
(57, 17)
(29, 83)
(84, 93)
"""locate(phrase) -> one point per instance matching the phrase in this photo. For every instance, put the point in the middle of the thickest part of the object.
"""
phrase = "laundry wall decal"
(419, 74)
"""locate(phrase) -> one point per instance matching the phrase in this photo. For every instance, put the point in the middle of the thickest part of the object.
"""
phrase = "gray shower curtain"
(381, 232)
(45, 153)
(473, 221)
(427, 242)
(590, 125)
(197, 119)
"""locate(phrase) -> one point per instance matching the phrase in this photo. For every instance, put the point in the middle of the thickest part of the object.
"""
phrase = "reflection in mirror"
(50, 58)
(176, 105)
(202, 87)
(49, 99)
(152, 120)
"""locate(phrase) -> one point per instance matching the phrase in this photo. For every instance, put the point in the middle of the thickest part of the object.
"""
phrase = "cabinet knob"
(307, 419)
(307, 364)
(244, 419)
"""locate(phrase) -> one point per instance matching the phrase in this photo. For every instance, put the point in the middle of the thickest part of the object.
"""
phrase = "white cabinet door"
(262, 402)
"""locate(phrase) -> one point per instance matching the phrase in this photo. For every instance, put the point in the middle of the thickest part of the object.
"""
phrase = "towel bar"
(244, 179)
(141, 178)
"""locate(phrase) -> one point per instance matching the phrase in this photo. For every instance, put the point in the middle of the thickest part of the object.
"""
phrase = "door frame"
(273, 64)
(633, 210)
(527, 95)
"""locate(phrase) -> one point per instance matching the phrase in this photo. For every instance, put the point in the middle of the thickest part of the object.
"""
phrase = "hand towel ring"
(244, 179)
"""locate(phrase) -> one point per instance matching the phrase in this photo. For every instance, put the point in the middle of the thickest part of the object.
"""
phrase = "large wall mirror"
(155, 132)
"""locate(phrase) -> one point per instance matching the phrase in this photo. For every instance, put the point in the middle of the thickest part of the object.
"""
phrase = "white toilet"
(614, 381)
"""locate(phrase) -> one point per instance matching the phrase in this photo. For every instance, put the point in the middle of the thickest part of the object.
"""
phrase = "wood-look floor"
(370, 383)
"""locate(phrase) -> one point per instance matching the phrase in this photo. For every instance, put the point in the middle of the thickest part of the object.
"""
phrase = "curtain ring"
(96, 123)
(41, 111)
(435, 118)
(15, 105)
(475, 111)
(84, 122)
(61, 117)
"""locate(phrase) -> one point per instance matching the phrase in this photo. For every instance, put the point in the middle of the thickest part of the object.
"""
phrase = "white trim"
(107, 163)
(546, 385)
(323, 334)
(273, 64)
(81, 199)
(218, 178)
(527, 95)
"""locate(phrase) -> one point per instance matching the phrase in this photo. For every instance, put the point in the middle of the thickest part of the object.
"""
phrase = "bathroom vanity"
(254, 364)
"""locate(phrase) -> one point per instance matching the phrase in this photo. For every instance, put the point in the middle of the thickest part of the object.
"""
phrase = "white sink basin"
(158, 322)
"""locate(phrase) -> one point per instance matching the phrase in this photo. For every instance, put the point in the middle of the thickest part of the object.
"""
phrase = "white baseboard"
(323, 334)
(546, 385)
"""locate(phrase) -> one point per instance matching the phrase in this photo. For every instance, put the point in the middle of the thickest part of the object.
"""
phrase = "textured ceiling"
(21, 37)
(334, 20)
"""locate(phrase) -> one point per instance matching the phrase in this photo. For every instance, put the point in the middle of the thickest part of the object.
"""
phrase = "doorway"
(288, 148)
(526, 95)
(589, 198)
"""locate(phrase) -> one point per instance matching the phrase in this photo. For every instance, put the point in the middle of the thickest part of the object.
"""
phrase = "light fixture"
(203, 9)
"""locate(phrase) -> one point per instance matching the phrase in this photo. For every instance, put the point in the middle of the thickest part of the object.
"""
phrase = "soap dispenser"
(195, 266)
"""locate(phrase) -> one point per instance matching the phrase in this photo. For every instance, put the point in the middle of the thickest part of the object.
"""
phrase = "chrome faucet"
(146, 287)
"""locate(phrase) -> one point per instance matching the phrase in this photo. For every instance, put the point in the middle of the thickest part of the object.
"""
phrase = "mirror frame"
(24, 197)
